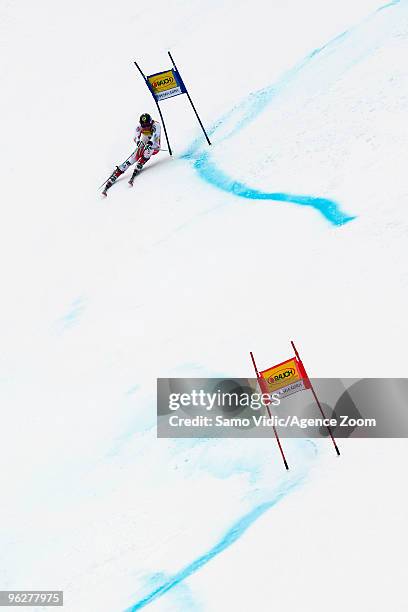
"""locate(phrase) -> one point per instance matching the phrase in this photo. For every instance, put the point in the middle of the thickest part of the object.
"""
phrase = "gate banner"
(166, 84)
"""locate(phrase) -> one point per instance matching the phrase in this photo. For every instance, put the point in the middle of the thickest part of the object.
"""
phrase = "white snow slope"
(292, 225)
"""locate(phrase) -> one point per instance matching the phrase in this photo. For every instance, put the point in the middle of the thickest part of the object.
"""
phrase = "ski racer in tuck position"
(147, 138)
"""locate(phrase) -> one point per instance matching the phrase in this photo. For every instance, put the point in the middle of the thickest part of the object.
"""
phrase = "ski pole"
(111, 173)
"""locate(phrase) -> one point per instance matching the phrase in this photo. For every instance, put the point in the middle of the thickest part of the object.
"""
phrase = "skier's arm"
(137, 133)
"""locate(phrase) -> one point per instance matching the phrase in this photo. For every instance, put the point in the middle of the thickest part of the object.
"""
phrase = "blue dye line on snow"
(241, 115)
(77, 308)
(232, 535)
(182, 596)
(209, 172)
(389, 5)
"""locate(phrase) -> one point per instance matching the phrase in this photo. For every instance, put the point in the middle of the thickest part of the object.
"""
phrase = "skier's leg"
(147, 153)
(112, 179)
(143, 156)
(144, 153)
(129, 162)
(118, 171)
(157, 149)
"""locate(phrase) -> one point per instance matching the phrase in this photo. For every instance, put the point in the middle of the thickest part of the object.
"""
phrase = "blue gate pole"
(191, 102)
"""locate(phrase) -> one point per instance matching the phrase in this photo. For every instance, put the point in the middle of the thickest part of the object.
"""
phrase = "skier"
(147, 138)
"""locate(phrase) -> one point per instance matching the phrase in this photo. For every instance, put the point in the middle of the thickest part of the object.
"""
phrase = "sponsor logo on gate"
(163, 81)
(282, 375)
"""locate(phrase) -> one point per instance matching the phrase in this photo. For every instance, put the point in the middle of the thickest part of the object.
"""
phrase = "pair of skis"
(139, 155)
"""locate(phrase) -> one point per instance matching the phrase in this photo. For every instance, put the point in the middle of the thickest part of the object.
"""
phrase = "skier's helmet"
(145, 120)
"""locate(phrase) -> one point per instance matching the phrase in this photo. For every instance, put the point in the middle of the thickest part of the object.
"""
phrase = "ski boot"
(136, 171)
(115, 174)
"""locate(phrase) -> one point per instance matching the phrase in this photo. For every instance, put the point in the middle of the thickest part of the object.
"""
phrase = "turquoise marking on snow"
(77, 308)
(389, 5)
(241, 116)
(208, 171)
(231, 536)
(181, 596)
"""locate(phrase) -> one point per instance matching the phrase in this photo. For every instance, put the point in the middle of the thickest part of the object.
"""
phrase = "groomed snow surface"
(292, 225)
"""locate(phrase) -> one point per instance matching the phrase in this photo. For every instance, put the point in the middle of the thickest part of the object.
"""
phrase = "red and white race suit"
(151, 134)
